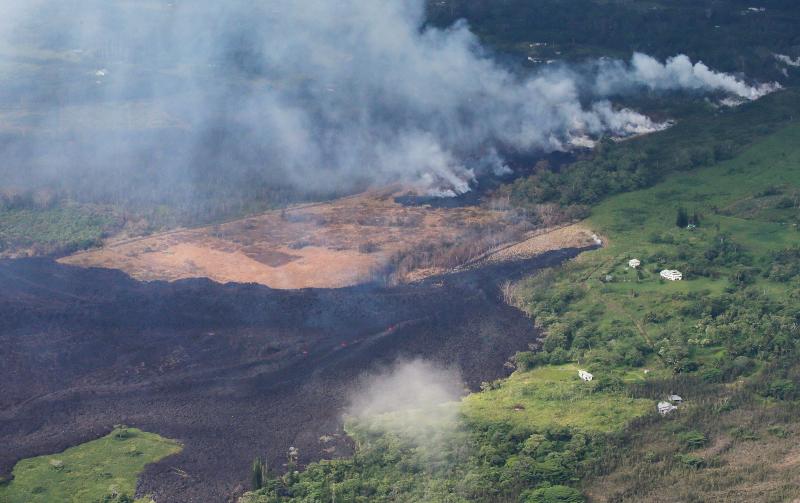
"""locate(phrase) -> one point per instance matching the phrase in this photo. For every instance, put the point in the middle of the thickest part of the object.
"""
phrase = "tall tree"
(258, 474)
(682, 218)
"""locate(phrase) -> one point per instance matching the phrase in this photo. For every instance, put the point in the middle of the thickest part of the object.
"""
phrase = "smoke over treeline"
(416, 400)
(164, 99)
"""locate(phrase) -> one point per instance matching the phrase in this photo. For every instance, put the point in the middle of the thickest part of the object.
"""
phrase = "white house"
(634, 263)
(586, 376)
(672, 274)
(665, 408)
(675, 398)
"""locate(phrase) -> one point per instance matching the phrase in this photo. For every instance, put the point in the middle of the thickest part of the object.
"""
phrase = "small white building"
(634, 263)
(665, 408)
(672, 274)
(586, 376)
(675, 399)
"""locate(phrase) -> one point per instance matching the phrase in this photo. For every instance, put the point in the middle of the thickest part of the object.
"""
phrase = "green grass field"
(554, 397)
(628, 219)
(103, 470)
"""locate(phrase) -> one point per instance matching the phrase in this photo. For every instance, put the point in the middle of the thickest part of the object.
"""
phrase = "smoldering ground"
(414, 402)
(151, 99)
(405, 385)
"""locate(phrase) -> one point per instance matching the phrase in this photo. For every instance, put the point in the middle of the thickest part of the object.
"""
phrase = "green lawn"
(630, 218)
(553, 396)
(89, 472)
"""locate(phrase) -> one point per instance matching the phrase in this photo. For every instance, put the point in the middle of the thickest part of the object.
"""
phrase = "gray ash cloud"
(146, 97)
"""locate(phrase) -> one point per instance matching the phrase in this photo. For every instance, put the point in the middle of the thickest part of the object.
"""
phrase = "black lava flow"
(233, 371)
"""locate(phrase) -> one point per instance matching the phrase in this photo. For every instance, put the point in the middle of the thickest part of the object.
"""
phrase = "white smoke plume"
(141, 96)
(416, 400)
(788, 60)
(677, 73)
(406, 385)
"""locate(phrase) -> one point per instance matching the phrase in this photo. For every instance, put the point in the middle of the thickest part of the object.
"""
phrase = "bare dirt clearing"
(326, 245)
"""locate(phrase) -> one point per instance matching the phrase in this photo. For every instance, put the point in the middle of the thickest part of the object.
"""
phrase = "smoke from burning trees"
(156, 100)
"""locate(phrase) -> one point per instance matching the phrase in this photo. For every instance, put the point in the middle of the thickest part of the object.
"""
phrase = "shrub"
(772, 190)
(693, 439)
(553, 494)
(781, 389)
(123, 434)
(682, 218)
(724, 150)
(609, 383)
(712, 374)
(744, 433)
(559, 356)
(525, 360)
(778, 431)
(368, 247)
(690, 461)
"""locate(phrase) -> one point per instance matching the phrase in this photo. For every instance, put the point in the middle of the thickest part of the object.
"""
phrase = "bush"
(779, 431)
(368, 247)
(712, 374)
(693, 439)
(553, 494)
(691, 461)
(739, 366)
(682, 218)
(744, 433)
(559, 356)
(123, 434)
(526, 360)
(609, 382)
(724, 150)
(781, 389)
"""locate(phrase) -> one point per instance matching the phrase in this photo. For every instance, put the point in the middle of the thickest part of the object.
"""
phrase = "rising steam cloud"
(318, 94)
(414, 400)
(404, 386)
